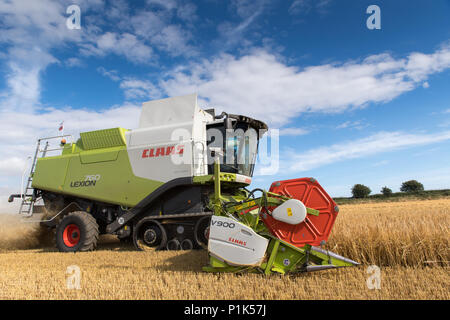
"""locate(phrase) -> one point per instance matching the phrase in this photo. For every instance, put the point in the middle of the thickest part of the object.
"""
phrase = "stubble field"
(408, 241)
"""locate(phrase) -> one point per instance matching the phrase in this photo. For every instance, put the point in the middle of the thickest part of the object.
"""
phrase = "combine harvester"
(179, 182)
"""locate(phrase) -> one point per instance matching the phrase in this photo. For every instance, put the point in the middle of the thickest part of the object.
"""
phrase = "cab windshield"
(240, 148)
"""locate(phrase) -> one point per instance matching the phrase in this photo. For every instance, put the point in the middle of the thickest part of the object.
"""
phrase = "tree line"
(411, 186)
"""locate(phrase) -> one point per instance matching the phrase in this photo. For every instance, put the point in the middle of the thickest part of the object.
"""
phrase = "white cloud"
(12, 166)
(34, 22)
(147, 24)
(139, 89)
(293, 131)
(137, 32)
(112, 74)
(187, 12)
(260, 85)
(374, 144)
(357, 124)
(166, 4)
(419, 65)
(184, 10)
(126, 44)
(300, 6)
(74, 62)
(134, 89)
(174, 40)
(445, 121)
(247, 8)
(381, 163)
(143, 32)
(232, 33)
(305, 6)
(23, 89)
(29, 30)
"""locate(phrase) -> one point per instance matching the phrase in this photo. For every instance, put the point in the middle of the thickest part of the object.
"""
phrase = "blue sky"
(353, 105)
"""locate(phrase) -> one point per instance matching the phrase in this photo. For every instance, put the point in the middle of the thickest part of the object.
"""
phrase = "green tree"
(386, 191)
(411, 186)
(360, 191)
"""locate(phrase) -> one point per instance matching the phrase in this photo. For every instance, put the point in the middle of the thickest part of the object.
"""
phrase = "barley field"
(407, 240)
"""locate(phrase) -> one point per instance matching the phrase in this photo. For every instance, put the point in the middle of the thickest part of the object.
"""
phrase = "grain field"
(408, 240)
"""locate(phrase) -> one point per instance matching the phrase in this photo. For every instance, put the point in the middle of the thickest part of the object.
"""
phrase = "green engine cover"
(96, 167)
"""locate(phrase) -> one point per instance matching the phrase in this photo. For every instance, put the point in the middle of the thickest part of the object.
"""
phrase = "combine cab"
(179, 182)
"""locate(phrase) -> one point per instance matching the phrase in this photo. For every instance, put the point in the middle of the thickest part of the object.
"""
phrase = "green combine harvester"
(179, 181)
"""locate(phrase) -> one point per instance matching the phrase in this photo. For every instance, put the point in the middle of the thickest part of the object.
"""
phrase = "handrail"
(201, 160)
(55, 137)
(22, 190)
(45, 150)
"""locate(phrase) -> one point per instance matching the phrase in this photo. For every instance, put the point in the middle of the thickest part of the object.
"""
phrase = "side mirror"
(216, 152)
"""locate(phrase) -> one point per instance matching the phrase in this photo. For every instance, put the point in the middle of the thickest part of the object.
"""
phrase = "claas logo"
(240, 242)
(162, 151)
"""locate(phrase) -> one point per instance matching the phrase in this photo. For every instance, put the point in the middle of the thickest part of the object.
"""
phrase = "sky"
(353, 104)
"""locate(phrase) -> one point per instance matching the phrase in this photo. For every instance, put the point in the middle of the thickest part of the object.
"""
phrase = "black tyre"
(201, 232)
(77, 231)
(149, 234)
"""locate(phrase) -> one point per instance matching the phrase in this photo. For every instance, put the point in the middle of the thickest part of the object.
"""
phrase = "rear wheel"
(77, 231)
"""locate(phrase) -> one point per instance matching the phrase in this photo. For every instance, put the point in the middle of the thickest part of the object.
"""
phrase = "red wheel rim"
(71, 235)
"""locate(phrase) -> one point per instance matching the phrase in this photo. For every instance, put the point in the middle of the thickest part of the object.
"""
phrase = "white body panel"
(292, 211)
(243, 179)
(170, 141)
(235, 243)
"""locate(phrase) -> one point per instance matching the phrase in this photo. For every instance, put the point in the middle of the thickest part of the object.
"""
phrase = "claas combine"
(179, 181)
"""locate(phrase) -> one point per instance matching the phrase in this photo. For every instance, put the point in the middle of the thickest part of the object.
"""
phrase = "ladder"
(28, 196)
